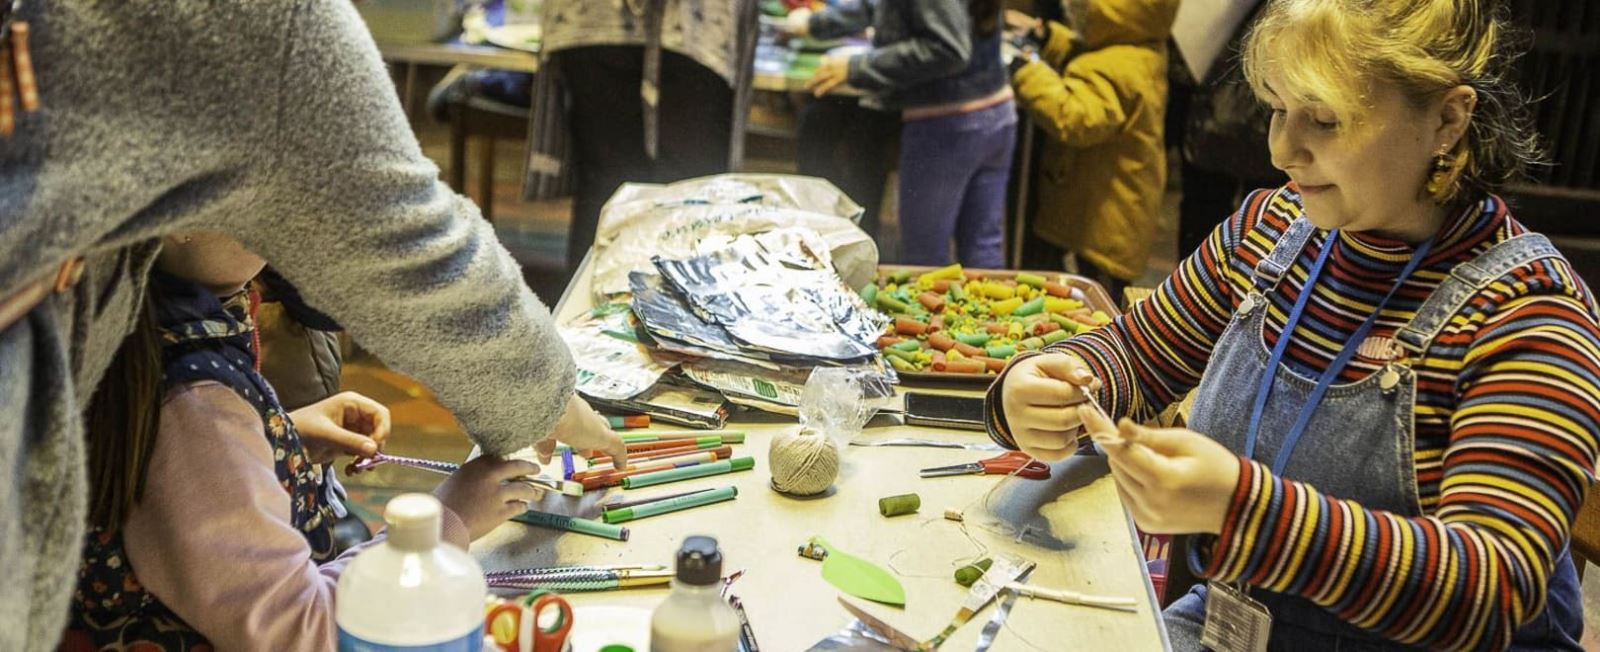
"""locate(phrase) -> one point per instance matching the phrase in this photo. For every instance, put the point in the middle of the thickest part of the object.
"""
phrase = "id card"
(1234, 621)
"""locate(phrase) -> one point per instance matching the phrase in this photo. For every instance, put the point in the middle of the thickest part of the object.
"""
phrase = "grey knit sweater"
(273, 121)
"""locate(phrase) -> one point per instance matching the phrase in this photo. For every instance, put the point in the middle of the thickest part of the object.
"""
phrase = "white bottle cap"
(414, 521)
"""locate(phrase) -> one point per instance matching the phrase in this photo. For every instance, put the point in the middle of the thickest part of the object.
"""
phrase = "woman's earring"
(1441, 177)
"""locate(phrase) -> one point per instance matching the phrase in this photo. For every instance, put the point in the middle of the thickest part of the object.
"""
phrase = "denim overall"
(1358, 445)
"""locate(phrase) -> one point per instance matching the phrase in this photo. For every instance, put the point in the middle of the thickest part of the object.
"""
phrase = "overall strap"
(1271, 269)
(1465, 281)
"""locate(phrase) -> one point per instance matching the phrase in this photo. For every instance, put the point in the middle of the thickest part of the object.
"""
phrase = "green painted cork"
(970, 573)
(898, 505)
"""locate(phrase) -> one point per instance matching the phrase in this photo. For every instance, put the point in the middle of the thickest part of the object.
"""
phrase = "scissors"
(1003, 464)
(555, 638)
(510, 622)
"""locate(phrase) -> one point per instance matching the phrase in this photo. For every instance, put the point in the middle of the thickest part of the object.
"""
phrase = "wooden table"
(1080, 538)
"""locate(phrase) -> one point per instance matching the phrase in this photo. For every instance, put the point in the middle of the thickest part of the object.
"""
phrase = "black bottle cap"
(699, 561)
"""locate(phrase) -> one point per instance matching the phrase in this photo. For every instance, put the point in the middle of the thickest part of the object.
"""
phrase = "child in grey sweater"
(274, 122)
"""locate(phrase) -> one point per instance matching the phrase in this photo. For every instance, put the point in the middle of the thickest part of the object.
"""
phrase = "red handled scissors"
(1005, 464)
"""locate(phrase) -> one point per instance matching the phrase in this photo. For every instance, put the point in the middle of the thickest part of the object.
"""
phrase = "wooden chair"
(1586, 531)
(473, 117)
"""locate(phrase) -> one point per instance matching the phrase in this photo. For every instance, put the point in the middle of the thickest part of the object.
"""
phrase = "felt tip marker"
(571, 524)
(670, 505)
(697, 471)
(629, 422)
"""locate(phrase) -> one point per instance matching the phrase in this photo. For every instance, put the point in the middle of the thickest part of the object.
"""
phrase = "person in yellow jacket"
(1099, 90)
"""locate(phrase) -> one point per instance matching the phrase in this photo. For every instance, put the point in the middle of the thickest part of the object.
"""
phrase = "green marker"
(671, 504)
(702, 437)
(572, 524)
(689, 472)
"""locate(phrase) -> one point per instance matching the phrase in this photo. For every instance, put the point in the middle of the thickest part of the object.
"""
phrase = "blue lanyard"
(1326, 379)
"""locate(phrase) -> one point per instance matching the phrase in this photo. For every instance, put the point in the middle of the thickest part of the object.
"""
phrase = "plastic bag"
(837, 401)
(642, 221)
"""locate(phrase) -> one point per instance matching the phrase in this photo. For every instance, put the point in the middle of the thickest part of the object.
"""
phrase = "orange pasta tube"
(909, 326)
(968, 349)
(961, 367)
(994, 364)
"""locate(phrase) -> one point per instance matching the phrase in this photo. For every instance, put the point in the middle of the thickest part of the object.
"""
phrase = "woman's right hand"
(1038, 398)
(485, 492)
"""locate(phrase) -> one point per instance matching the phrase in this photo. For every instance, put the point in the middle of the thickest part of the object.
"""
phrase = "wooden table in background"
(1090, 544)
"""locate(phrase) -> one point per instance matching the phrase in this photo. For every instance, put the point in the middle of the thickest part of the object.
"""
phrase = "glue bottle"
(411, 592)
(694, 617)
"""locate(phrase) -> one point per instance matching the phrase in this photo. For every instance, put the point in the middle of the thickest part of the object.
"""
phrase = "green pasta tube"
(973, 339)
(888, 303)
(906, 345)
(1001, 351)
(1056, 336)
(901, 365)
(901, 354)
(1033, 307)
(1031, 279)
(869, 293)
(957, 292)
(1067, 324)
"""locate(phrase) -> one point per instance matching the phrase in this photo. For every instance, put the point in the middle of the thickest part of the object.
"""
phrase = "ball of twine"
(803, 463)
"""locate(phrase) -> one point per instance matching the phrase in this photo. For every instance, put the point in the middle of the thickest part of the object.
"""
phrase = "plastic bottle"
(411, 592)
(694, 617)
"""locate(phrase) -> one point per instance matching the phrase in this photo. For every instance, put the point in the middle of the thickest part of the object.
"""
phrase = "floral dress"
(203, 339)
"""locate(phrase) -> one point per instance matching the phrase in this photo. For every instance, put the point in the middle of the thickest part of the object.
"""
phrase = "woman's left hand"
(1174, 480)
(346, 423)
(832, 73)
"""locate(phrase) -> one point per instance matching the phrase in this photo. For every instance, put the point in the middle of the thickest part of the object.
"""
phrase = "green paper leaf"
(859, 577)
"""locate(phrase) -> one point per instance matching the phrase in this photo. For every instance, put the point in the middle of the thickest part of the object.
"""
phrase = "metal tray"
(1095, 297)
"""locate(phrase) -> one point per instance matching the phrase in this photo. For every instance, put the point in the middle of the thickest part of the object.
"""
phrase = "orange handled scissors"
(555, 638)
(507, 625)
(1004, 464)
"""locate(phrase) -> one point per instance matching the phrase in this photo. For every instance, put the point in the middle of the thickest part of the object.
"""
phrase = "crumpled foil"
(778, 292)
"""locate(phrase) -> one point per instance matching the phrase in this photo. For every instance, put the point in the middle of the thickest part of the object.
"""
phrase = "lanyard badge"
(1234, 621)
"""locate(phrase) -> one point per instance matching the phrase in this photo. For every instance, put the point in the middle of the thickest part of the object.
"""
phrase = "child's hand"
(832, 73)
(581, 428)
(346, 423)
(798, 22)
(1173, 480)
(1038, 396)
(484, 492)
(1018, 21)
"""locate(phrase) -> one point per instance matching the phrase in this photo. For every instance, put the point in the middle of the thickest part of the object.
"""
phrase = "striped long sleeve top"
(1506, 416)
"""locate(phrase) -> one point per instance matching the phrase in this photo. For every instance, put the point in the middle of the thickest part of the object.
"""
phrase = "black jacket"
(925, 52)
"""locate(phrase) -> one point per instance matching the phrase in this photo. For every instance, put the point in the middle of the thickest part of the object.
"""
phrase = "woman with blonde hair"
(1397, 386)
